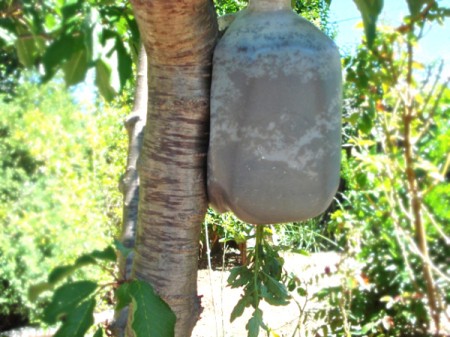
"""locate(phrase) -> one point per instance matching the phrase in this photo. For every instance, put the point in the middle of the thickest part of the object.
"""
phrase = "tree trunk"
(129, 184)
(179, 37)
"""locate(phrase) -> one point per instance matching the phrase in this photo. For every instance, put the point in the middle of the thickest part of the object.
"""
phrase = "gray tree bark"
(179, 37)
(129, 184)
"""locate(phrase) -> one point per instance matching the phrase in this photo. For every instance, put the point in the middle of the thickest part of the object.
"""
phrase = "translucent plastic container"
(274, 151)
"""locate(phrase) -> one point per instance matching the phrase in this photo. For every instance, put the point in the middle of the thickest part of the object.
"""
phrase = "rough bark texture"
(179, 37)
(129, 184)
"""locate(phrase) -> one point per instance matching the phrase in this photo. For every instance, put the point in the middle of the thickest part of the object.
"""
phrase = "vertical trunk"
(179, 37)
(134, 124)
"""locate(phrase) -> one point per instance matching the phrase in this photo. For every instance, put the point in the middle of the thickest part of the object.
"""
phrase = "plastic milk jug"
(274, 151)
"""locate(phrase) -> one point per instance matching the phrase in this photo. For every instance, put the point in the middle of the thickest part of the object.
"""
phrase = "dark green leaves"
(123, 297)
(240, 306)
(78, 321)
(73, 303)
(151, 316)
(125, 62)
(239, 276)
(255, 323)
(370, 10)
(262, 279)
(67, 298)
(415, 6)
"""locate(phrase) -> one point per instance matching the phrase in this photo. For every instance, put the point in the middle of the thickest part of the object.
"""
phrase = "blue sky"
(435, 44)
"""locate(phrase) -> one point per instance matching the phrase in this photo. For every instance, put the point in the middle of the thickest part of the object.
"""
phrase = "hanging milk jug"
(274, 151)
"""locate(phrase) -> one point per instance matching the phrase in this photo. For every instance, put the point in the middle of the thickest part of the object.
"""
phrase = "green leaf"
(75, 68)
(66, 298)
(58, 52)
(107, 254)
(123, 296)
(78, 320)
(276, 288)
(370, 10)
(239, 276)
(26, 50)
(415, 6)
(239, 308)
(151, 316)
(103, 80)
(125, 63)
(99, 333)
(35, 290)
(301, 291)
(59, 273)
(254, 323)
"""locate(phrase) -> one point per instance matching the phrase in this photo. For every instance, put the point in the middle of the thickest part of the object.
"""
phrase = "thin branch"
(436, 225)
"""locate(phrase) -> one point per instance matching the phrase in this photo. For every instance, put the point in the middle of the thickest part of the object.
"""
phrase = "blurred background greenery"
(62, 156)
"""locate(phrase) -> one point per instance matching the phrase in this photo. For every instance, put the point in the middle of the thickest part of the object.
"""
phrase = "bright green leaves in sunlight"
(28, 48)
(74, 36)
(370, 10)
(59, 166)
(76, 67)
(103, 79)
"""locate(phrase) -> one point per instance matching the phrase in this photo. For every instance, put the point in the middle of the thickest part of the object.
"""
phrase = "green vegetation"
(61, 162)
(394, 213)
(59, 165)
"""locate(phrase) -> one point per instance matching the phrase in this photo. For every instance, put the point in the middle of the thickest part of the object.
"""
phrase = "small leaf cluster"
(262, 279)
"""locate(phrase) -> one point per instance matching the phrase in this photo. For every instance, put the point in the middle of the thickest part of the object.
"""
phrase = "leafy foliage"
(73, 303)
(73, 36)
(59, 166)
(262, 279)
(395, 160)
